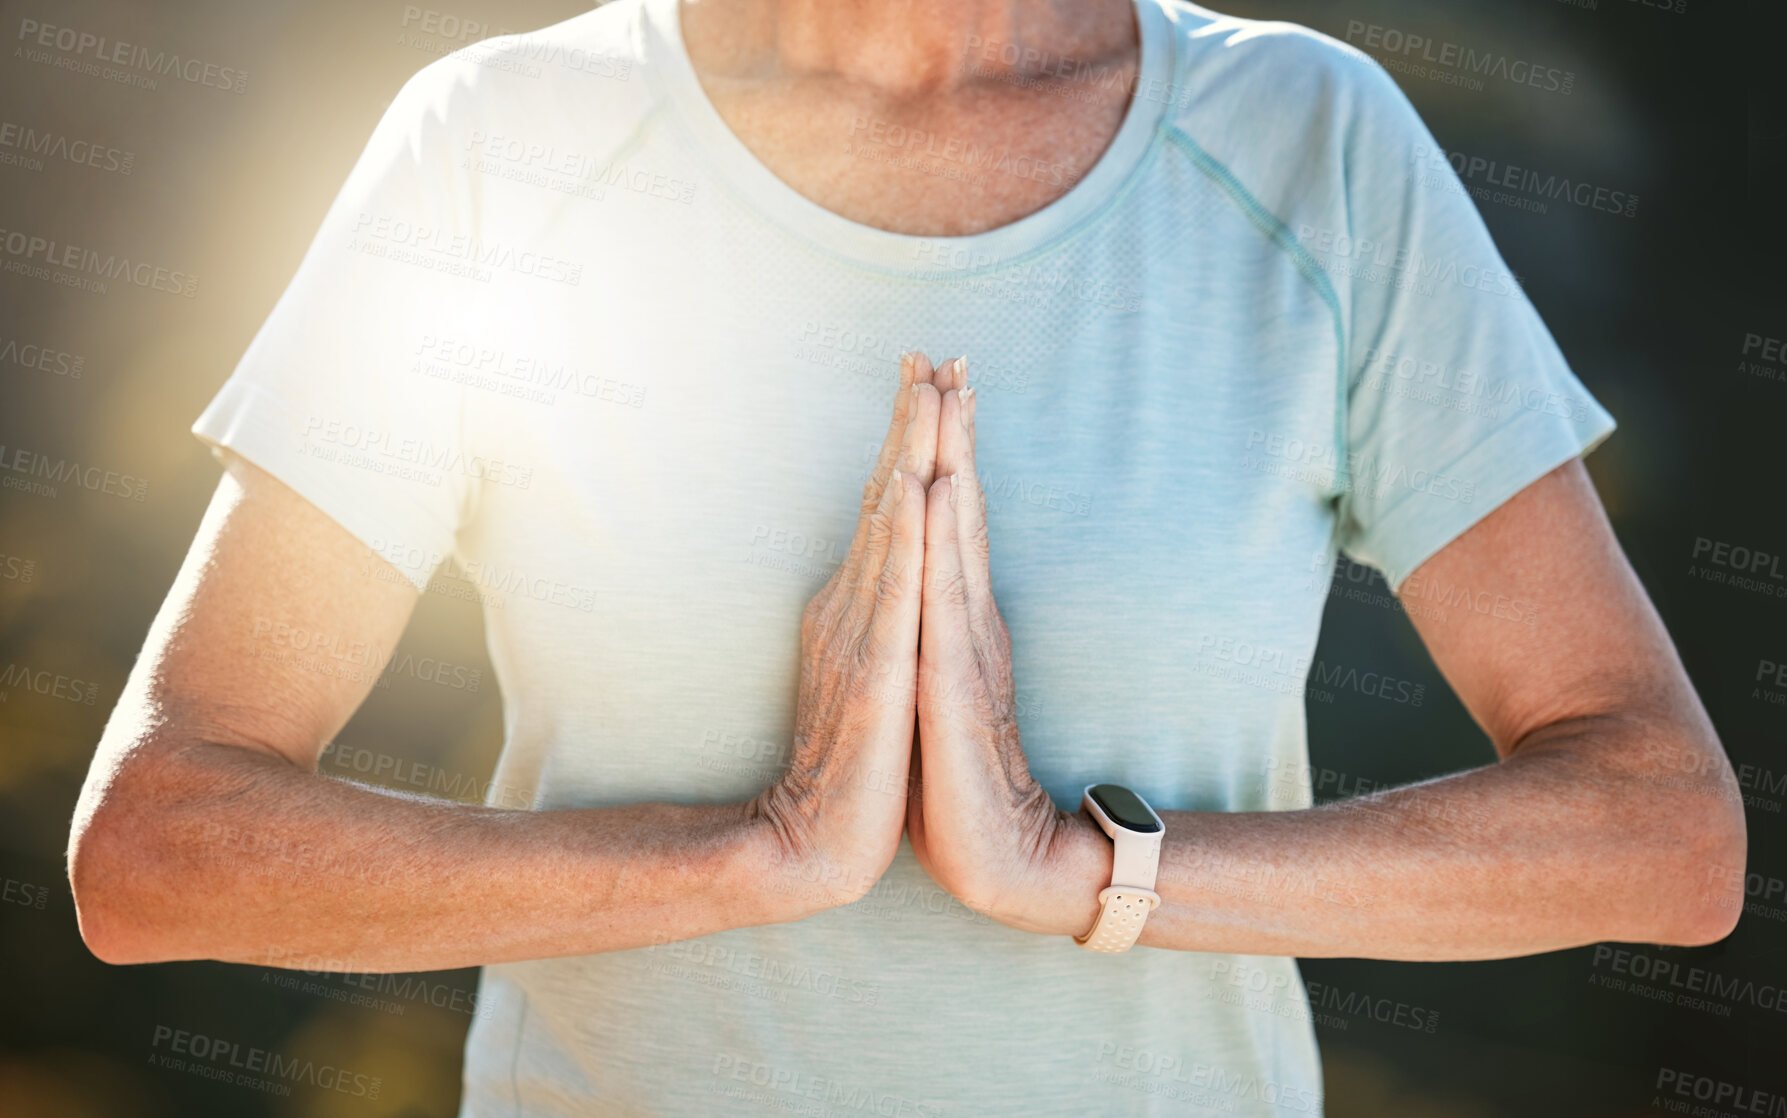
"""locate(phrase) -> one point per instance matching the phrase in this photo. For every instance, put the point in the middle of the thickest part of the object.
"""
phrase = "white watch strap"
(1124, 904)
(1123, 910)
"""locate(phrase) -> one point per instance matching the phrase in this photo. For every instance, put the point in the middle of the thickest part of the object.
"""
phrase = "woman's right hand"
(837, 813)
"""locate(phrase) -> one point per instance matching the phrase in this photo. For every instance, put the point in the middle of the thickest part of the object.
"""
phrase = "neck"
(911, 46)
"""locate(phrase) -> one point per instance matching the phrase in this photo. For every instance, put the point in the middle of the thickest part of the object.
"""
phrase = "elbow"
(149, 861)
(1702, 889)
(107, 869)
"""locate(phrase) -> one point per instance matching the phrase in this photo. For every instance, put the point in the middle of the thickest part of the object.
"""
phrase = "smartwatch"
(1136, 832)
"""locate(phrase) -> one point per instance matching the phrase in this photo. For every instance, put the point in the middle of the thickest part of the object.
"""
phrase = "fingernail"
(899, 486)
(915, 391)
(962, 367)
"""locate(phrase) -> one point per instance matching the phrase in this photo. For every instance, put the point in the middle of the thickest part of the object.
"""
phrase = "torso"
(939, 163)
(695, 415)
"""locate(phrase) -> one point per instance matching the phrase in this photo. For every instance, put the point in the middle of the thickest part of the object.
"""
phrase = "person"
(609, 314)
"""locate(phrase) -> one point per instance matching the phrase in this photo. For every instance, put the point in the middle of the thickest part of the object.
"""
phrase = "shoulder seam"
(1275, 230)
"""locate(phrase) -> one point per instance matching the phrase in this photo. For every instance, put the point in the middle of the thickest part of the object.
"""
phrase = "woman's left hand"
(979, 823)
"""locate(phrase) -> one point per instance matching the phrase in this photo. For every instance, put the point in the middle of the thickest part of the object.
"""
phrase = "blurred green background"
(1679, 102)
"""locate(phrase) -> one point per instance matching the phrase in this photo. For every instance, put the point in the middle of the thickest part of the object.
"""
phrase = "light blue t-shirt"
(564, 329)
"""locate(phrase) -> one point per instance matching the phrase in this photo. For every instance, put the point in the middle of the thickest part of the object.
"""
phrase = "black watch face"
(1125, 808)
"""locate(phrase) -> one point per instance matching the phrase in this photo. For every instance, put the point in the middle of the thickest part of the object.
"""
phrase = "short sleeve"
(1457, 396)
(329, 397)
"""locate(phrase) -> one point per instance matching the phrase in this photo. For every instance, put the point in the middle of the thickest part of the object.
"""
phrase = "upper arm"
(274, 631)
(1536, 619)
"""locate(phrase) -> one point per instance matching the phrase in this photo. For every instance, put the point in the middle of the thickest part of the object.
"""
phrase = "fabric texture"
(562, 330)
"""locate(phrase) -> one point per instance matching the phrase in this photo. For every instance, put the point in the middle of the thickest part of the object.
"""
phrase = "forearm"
(1558, 846)
(228, 853)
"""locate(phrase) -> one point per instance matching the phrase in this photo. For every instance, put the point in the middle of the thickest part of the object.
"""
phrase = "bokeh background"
(1670, 308)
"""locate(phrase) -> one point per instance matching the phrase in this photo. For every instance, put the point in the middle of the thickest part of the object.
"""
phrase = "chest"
(1155, 434)
(1142, 507)
(1155, 397)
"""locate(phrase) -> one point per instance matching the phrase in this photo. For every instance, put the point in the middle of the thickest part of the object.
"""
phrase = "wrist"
(1062, 897)
(788, 876)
